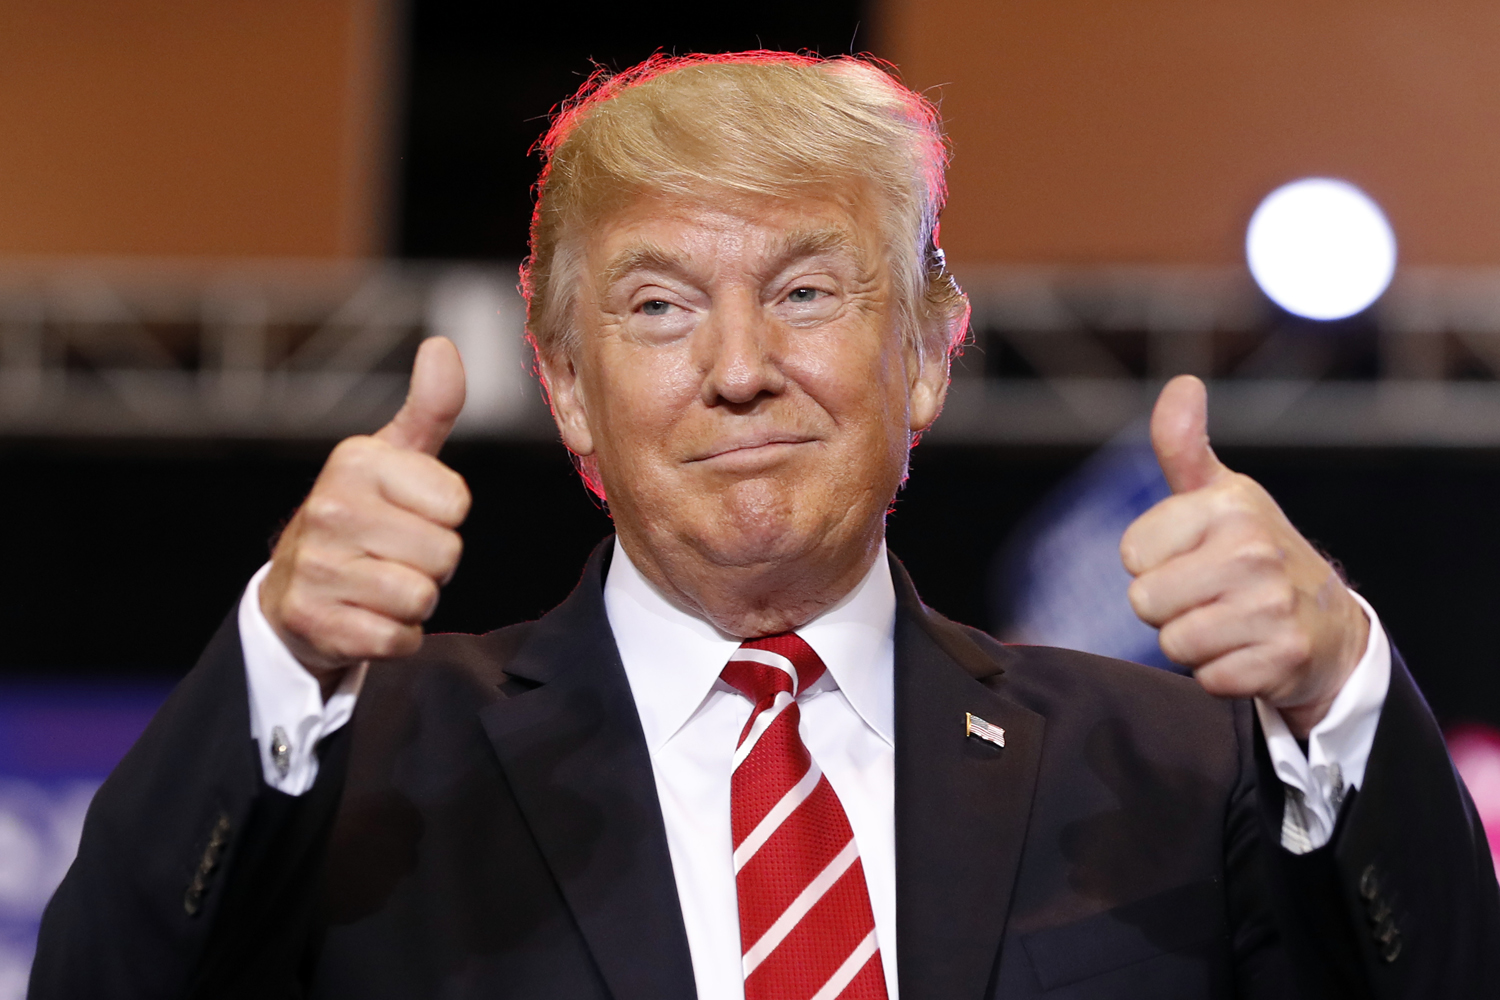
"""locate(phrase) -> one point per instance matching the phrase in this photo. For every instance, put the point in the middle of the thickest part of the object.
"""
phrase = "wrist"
(1300, 719)
(329, 680)
(1332, 671)
(328, 672)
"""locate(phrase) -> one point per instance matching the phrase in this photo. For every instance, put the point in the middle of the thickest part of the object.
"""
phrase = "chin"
(737, 538)
(748, 545)
(764, 541)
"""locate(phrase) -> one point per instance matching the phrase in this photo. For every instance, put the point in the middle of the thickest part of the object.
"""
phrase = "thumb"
(1179, 435)
(432, 403)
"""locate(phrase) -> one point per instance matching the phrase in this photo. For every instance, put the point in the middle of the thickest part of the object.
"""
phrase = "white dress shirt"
(692, 720)
(1338, 748)
(287, 713)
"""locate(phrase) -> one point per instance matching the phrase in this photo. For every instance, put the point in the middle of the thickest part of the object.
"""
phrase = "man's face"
(741, 381)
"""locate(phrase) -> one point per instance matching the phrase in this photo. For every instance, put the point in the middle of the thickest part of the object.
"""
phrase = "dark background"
(122, 557)
(481, 83)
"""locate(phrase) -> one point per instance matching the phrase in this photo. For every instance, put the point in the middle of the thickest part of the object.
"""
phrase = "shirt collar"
(673, 659)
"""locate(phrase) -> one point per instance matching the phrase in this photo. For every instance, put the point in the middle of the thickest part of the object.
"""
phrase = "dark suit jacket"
(487, 826)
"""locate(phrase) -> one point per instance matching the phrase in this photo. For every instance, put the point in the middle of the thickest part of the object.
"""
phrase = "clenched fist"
(1239, 595)
(358, 568)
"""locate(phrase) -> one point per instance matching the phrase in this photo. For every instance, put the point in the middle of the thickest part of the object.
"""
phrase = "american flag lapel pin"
(987, 731)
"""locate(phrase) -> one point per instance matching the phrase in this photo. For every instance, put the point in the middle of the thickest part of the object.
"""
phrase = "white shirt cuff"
(288, 716)
(1338, 748)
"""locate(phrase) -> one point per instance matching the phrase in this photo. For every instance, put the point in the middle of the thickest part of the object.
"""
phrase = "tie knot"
(763, 668)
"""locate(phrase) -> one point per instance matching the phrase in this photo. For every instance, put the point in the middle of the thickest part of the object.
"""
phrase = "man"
(743, 759)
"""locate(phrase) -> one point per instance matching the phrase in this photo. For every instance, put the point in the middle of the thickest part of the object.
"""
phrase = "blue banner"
(1058, 581)
(58, 741)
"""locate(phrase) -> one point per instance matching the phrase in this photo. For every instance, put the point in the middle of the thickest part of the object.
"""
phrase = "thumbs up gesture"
(1238, 594)
(358, 568)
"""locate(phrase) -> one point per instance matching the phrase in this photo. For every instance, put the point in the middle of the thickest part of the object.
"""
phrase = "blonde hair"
(758, 123)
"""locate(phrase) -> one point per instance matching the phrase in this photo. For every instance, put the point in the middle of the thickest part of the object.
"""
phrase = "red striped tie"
(806, 928)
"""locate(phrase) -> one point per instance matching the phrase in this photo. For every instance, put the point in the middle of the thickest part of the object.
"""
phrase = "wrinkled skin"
(741, 383)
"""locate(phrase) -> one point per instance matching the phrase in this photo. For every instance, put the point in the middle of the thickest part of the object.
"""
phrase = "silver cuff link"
(281, 751)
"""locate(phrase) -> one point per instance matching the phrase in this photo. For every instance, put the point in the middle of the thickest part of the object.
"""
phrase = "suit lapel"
(576, 759)
(962, 804)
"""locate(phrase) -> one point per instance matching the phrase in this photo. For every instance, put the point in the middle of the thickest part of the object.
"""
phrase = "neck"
(747, 600)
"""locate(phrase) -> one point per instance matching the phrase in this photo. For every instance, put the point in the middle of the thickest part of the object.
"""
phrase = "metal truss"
(1066, 356)
(1076, 356)
(271, 349)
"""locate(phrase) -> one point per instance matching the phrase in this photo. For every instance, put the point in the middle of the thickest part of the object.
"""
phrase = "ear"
(565, 392)
(927, 385)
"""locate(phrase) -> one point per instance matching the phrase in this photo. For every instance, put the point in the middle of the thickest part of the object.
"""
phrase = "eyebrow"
(642, 257)
(791, 247)
(813, 243)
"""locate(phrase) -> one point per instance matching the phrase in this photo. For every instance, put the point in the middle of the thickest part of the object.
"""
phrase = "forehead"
(656, 231)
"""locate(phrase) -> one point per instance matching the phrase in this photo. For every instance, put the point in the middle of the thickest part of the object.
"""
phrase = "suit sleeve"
(193, 877)
(1403, 902)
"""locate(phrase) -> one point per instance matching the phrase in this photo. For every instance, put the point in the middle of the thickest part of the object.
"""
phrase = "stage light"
(1321, 248)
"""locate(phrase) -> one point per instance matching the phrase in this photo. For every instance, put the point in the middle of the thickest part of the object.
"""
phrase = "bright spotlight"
(1321, 248)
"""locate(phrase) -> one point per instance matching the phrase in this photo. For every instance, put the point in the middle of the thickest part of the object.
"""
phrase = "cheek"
(644, 392)
(860, 385)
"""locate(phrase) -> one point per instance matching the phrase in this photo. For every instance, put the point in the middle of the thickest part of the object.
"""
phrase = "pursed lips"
(751, 443)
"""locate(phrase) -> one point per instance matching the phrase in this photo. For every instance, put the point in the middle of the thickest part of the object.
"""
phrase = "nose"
(738, 353)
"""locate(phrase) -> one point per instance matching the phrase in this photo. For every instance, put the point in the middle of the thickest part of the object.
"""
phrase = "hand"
(1238, 594)
(358, 568)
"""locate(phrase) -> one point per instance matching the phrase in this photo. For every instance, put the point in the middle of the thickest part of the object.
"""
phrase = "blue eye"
(803, 295)
(656, 307)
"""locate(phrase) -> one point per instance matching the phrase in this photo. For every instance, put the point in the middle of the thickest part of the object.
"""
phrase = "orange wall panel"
(234, 127)
(1094, 131)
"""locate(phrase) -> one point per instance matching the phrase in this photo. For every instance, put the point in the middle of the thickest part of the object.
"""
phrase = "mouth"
(752, 447)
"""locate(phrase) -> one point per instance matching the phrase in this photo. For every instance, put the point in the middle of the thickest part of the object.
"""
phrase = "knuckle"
(1175, 644)
(451, 550)
(326, 510)
(1232, 678)
(317, 624)
(464, 500)
(398, 592)
(1293, 649)
(299, 615)
(1258, 552)
(421, 597)
(1278, 600)
(408, 642)
(387, 639)
(1139, 597)
(455, 501)
(314, 564)
(349, 645)
(384, 643)
(1242, 488)
(342, 452)
(1219, 683)
(353, 453)
(1235, 494)
(1170, 648)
